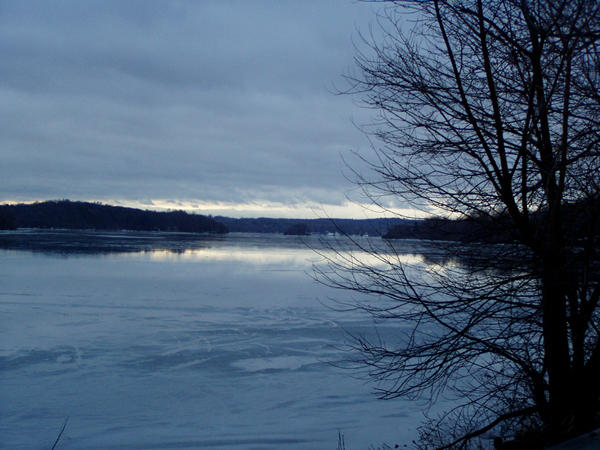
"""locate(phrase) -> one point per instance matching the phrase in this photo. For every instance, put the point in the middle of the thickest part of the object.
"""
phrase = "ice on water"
(218, 342)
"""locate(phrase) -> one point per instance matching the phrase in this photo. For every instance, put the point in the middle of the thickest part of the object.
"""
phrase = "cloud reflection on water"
(295, 257)
(259, 256)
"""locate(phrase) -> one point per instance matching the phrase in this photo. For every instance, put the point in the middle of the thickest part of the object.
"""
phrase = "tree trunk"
(557, 357)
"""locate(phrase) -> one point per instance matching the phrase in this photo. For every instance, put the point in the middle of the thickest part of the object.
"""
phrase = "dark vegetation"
(496, 229)
(82, 215)
(7, 219)
(297, 229)
(463, 230)
(372, 227)
(67, 214)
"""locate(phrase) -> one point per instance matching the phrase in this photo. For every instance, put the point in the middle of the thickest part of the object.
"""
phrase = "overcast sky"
(221, 107)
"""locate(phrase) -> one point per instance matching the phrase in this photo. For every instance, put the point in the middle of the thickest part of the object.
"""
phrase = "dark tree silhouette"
(297, 229)
(7, 220)
(84, 215)
(488, 111)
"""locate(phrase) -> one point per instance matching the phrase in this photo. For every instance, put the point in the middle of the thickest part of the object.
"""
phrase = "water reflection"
(281, 256)
(84, 242)
(258, 256)
(244, 248)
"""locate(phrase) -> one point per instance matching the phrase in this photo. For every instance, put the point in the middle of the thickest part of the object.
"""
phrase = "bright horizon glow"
(269, 209)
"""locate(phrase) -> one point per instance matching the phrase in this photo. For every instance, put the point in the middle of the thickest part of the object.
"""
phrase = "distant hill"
(463, 230)
(371, 227)
(579, 219)
(83, 215)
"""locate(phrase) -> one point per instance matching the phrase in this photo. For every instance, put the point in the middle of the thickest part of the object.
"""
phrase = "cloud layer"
(213, 102)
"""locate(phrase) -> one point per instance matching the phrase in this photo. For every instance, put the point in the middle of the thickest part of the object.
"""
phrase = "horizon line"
(252, 210)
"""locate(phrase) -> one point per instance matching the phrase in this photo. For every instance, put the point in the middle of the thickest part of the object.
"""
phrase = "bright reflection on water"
(275, 256)
(153, 340)
(258, 256)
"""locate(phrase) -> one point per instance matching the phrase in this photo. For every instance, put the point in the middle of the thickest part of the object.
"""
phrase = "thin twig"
(61, 432)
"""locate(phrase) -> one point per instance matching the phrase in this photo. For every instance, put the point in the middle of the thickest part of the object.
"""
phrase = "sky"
(217, 107)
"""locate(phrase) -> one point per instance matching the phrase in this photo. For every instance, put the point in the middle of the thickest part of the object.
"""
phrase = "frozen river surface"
(175, 341)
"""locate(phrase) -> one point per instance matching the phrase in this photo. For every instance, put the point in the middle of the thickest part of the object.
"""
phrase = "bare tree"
(488, 110)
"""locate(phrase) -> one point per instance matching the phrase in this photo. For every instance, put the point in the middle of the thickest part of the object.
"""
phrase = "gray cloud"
(219, 101)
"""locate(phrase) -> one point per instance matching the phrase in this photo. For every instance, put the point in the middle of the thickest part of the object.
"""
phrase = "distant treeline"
(371, 227)
(464, 230)
(83, 215)
(577, 217)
